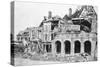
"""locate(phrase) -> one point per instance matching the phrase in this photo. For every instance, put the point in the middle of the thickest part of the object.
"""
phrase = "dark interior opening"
(67, 47)
(77, 47)
(87, 47)
(58, 46)
(54, 24)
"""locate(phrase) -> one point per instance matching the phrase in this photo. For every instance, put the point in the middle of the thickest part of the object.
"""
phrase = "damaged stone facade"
(73, 35)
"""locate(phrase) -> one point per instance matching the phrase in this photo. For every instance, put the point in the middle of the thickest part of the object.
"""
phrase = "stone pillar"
(62, 48)
(82, 45)
(72, 46)
(53, 48)
(45, 47)
(93, 45)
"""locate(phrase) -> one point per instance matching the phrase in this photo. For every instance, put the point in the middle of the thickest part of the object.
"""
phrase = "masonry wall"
(72, 38)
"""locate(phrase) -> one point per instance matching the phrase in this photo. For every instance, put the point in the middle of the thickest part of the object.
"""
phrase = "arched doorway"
(77, 47)
(67, 47)
(87, 47)
(58, 46)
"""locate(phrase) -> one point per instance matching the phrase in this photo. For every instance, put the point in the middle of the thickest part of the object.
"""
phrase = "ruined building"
(71, 35)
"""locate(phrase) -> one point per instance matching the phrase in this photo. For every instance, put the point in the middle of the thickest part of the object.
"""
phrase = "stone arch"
(67, 47)
(87, 47)
(77, 47)
(58, 46)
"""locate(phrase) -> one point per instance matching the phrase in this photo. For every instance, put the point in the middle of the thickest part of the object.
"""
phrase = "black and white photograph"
(45, 33)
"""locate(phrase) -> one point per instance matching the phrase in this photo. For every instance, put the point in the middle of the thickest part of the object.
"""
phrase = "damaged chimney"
(49, 14)
(70, 12)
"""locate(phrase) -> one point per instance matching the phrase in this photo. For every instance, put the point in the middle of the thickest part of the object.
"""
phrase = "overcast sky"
(29, 14)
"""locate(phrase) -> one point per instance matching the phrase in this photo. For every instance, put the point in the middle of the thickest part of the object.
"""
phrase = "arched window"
(58, 46)
(87, 47)
(67, 47)
(77, 47)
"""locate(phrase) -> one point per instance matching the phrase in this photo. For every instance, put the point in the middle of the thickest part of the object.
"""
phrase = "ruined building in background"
(74, 34)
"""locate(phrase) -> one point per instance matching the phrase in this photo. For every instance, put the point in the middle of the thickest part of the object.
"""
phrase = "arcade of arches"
(77, 47)
(67, 47)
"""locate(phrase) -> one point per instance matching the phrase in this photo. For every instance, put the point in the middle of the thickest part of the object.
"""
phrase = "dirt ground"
(28, 62)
